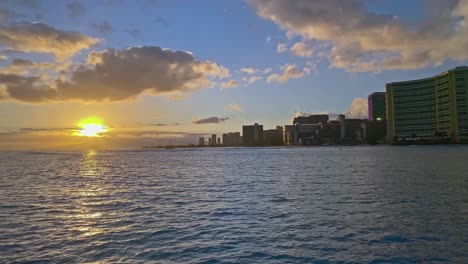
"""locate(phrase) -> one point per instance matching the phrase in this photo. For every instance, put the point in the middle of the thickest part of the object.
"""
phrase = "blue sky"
(236, 35)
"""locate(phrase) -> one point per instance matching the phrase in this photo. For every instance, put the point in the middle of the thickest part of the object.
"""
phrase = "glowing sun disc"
(91, 127)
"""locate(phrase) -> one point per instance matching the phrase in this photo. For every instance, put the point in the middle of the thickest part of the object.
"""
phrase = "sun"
(91, 127)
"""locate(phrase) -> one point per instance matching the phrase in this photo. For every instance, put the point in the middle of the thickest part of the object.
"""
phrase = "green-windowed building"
(429, 109)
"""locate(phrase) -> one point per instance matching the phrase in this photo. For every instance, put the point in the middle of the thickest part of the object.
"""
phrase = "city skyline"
(175, 71)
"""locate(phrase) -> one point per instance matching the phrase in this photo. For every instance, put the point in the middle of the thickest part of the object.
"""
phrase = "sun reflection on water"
(87, 219)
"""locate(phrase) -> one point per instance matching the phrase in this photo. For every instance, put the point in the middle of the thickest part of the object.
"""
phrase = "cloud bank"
(358, 40)
(118, 75)
(41, 38)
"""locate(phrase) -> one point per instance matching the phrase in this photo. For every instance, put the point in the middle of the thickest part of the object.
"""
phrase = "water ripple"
(236, 205)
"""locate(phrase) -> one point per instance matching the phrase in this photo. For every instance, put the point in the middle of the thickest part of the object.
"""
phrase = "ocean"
(379, 204)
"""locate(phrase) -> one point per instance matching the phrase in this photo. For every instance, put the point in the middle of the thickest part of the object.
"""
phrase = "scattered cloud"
(290, 71)
(358, 109)
(41, 38)
(359, 40)
(103, 27)
(233, 107)
(251, 79)
(76, 9)
(300, 49)
(210, 120)
(229, 84)
(249, 70)
(23, 66)
(118, 75)
(281, 48)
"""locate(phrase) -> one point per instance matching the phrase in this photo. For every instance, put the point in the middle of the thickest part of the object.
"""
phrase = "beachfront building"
(252, 135)
(376, 106)
(429, 109)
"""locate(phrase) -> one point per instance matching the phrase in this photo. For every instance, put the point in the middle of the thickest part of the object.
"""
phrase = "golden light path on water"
(89, 218)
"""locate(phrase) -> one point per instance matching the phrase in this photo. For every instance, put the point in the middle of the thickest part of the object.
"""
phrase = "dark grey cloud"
(76, 9)
(210, 120)
(162, 124)
(103, 27)
(118, 75)
(21, 63)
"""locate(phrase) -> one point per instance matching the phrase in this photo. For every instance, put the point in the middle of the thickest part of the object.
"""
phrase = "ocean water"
(236, 205)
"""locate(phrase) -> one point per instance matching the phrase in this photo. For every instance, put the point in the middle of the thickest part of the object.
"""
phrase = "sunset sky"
(156, 72)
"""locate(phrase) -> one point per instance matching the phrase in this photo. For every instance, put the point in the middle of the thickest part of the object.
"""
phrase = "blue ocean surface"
(381, 204)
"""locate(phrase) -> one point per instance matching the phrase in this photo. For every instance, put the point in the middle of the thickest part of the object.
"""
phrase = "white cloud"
(361, 40)
(290, 71)
(301, 49)
(249, 70)
(358, 109)
(281, 48)
(229, 84)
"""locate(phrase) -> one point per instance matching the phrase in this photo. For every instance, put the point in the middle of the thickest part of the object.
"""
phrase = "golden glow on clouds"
(91, 127)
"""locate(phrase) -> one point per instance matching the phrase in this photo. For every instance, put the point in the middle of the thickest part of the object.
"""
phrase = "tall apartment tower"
(377, 109)
(429, 108)
(252, 135)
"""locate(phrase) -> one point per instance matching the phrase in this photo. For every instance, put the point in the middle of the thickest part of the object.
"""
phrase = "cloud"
(281, 48)
(358, 109)
(251, 79)
(234, 107)
(300, 49)
(118, 75)
(359, 40)
(41, 38)
(249, 70)
(103, 27)
(23, 66)
(229, 84)
(76, 9)
(161, 124)
(210, 120)
(290, 71)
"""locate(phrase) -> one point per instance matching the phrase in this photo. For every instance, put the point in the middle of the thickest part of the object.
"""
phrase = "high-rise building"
(231, 139)
(252, 135)
(312, 119)
(429, 109)
(273, 137)
(213, 139)
(376, 106)
(201, 141)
